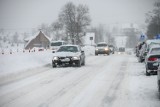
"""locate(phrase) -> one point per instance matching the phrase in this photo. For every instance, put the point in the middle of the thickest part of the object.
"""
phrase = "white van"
(54, 45)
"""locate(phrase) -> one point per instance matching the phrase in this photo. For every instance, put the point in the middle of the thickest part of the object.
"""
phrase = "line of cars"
(74, 55)
(149, 53)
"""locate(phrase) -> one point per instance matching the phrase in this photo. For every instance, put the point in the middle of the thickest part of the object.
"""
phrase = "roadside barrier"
(14, 51)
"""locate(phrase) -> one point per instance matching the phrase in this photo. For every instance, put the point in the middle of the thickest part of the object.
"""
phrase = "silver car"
(68, 55)
(152, 59)
(102, 48)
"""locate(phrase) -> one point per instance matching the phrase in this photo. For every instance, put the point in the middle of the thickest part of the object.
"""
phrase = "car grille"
(64, 57)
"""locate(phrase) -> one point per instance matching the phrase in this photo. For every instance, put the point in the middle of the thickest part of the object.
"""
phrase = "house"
(39, 40)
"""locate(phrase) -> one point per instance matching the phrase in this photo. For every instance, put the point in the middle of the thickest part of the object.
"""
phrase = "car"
(54, 45)
(152, 59)
(142, 53)
(158, 79)
(102, 48)
(68, 55)
(112, 48)
(121, 50)
(150, 43)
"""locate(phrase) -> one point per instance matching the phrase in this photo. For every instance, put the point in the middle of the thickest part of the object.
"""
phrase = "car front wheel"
(83, 62)
(147, 73)
(53, 64)
(79, 63)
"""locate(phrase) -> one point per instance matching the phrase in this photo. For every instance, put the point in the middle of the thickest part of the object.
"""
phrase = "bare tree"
(131, 38)
(46, 29)
(57, 28)
(75, 20)
(153, 20)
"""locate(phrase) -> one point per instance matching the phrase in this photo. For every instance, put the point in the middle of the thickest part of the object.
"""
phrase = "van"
(54, 45)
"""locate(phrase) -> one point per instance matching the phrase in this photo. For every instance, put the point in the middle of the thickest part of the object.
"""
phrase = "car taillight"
(152, 59)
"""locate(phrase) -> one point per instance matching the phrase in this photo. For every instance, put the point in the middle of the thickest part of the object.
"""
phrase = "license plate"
(65, 60)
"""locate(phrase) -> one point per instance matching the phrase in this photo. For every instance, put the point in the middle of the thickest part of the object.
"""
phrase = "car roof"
(156, 46)
(154, 41)
(70, 45)
(102, 43)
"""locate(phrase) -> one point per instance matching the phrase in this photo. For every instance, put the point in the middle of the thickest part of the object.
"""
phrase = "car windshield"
(155, 51)
(56, 44)
(68, 49)
(101, 45)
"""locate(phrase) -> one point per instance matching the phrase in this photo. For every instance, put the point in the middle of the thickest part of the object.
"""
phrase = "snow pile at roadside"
(20, 65)
(21, 61)
(89, 50)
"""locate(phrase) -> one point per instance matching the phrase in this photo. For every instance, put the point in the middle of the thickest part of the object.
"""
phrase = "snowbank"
(20, 64)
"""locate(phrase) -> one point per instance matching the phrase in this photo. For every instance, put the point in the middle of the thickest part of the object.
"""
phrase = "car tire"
(147, 73)
(96, 54)
(79, 63)
(83, 62)
(53, 65)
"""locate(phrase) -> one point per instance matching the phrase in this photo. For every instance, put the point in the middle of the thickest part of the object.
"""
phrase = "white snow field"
(105, 81)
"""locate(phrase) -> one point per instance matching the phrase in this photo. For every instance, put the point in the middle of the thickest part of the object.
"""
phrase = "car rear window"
(155, 51)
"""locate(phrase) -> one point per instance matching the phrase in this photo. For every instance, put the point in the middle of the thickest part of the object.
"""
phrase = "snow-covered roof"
(153, 41)
(46, 36)
(37, 34)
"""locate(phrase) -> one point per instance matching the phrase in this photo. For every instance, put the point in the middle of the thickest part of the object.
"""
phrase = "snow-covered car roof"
(70, 45)
(152, 41)
(102, 43)
(155, 46)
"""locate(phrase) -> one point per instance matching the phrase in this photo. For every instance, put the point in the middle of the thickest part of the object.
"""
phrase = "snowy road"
(105, 81)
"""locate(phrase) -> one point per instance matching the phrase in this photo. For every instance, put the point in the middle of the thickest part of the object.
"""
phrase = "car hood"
(65, 54)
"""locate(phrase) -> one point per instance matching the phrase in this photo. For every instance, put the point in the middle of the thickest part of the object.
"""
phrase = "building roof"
(37, 34)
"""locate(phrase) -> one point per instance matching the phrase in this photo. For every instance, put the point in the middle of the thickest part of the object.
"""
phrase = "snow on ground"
(105, 81)
(18, 62)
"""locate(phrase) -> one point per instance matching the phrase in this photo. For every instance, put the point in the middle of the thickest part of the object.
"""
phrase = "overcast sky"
(22, 14)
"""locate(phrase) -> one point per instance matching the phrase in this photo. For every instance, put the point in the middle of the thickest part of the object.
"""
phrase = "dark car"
(152, 59)
(102, 48)
(68, 55)
(158, 78)
(121, 50)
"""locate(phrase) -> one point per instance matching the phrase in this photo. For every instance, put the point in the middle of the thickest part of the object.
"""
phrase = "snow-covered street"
(105, 81)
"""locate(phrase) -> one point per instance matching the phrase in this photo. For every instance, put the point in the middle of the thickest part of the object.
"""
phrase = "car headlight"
(55, 58)
(106, 49)
(96, 49)
(76, 58)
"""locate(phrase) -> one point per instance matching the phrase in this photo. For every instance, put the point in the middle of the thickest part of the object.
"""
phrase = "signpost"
(157, 36)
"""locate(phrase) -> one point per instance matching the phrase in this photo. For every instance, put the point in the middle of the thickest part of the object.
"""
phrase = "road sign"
(91, 38)
(157, 36)
(142, 38)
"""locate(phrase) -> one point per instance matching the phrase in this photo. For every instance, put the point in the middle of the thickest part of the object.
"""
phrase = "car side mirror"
(53, 51)
(82, 51)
